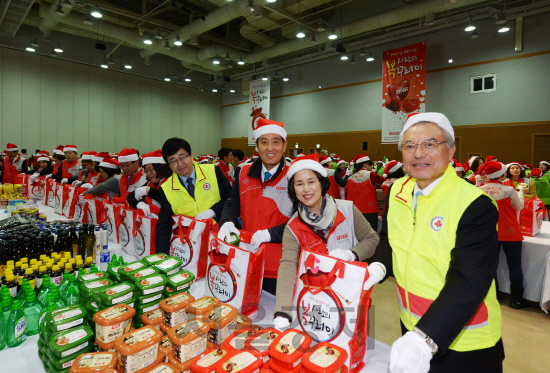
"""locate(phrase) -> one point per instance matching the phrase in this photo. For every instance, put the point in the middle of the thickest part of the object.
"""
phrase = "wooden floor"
(525, 333)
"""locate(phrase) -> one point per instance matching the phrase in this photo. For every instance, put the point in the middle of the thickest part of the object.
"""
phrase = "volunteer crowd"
(319, 202)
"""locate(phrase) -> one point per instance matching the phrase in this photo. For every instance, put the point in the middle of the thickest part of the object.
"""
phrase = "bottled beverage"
(98, 246)
(56, 276)
(6, 308)
(54, 290)
(88, 264)
(71, 298)
(29, 276)
(17, 326)
(73, 239)
(90, 241)
(33, 311)
(105, 258)
(68, 268)
(2, 330)
(17, 270)
(12, 285)
(49, 266)
(39, 278)
(21, 276)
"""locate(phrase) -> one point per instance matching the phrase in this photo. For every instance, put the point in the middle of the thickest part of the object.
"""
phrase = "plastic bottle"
(6, 307)
(11, 285)
(73, 238)
(17, 271)
(54, 290)
(2, 330)
(56, 276)
(88, 264)
(44, 290)
(71, 284)
(105, 258)
(29, 276)
(16, 332)
(93, 269)
(33, 311)
(51, 306)
(98, 246)
(40, 278)
(21, 286)
(71, 298)
(64, 282)
(25, 289)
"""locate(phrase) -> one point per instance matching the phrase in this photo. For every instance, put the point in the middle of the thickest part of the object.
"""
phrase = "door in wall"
(541, 148)
(457, 152)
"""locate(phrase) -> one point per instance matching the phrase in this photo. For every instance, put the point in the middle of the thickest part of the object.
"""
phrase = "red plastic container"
(279, 369)
(261, 341)
(240, 361)
(324, 358)
(236, 341)
(206, 362)
(289, 347)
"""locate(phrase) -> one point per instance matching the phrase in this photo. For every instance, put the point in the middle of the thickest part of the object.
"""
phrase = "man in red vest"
(225, 158)
(133, 177)
(14, 164)
(68, 172)
(259, 196)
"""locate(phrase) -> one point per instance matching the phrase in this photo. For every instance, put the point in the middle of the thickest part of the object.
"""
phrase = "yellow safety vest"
(421, 247)
(207, 192)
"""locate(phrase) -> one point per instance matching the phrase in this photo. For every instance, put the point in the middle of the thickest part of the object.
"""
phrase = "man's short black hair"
(173, 145)
(359, 166)
(325, 185)
(278, 135)
(238, 153)
(60, 157)
(110, 171)
(23, 151)
(224, 152)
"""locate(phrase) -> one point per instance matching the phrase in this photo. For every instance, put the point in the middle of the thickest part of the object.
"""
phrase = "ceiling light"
(30, 48)
(450, 60)
(344, 57)
(232, 90)
(167, 79)
(240, 62)
(34, 43)
(158, 36)
(127, 66)
(300, 34)
(332, 35)
(229, 64)
(147, 40)
(363, 52)
(313, 39)
(216, 60)
(187, 79)
(59, 11)
(286, 79)
(193, 40)
(178, 42)
(226, 57)
(58, 48)
(66, 4)
(504, 28)
(271, 1)
(88, 20)
(264, 77)
(501, 19)
(470, 26)
(474, 35)
(430, 19)
(370, 58)
(352, 59)
(250, 6)
(53, 54)
(320, 26)
(110, 60)
(96, 12)
(214, 90)
(104, 64)
(167, 45)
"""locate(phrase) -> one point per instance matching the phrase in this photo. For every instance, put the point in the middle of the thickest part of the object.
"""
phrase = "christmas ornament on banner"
(403, 88)
(258, 101)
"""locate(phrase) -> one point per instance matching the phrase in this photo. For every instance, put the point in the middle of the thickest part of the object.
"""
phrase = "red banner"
(403, 88)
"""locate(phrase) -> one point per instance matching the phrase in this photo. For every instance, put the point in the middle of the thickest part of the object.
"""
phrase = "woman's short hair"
(521, 172)
(325, 185)
(49, 163)
(162, 169)
(359, 166)
(59, 157)
(397, 174)
(110, 171)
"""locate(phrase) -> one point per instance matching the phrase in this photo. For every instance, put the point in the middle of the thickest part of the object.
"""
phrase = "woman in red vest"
(509, 234)
(321, 224)
(334, 189)
(109, 169)
(516, 175)
(70, 167)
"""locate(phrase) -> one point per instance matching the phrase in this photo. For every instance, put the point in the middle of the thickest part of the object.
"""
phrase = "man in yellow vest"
(193, 190)
(439, 240)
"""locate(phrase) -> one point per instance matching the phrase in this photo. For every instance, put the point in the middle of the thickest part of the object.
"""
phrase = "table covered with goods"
(84, 291)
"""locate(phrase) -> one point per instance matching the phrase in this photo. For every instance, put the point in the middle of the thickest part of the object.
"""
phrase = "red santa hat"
(514, 163)
(437, 118)
(546, 163)
(109, 163)
(11, 147)
(336, 157)
(471, 161)
(98, 157)
(492, 169)
(43, 158)
(88, 156)
(288, 159)
(460, 167)
(128, 155)
(70, 148)
(391, 167)
(203, 159)
(266, 126)
(307, 162)
(341, 162)
(255, 156)
(529, 166)
(300, 155)
(59, 150)
(324, 160)
(360, 158)
(43, 153)
(153, 158)
(210, 156)
(536, 172)
(491, 158)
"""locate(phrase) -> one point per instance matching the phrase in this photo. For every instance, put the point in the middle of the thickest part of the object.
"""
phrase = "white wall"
(45, 102)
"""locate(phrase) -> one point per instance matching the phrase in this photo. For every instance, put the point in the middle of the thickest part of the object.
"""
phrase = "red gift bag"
(70, 199)
(113, 219)
(144, 240)
(59, 202)
(36, 188)
(531, 217)
(23, 180)
(236, 277)
(127, 229)
(93, 210)
(49, 193)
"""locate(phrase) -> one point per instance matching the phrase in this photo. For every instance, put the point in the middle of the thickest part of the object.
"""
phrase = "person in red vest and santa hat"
(474, 163)
(43, 165)
(110, 169)
(509, 202)
(133, 177)
(147, 197)
(515, 174)
(70, 167)
(88, 166)
(14, 164)
(361, 188)
(95, 178)
(333, 190)
(259, 196)
(225, 158)
(393, 170)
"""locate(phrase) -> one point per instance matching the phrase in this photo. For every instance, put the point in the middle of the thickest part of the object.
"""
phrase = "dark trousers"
(372, 218)
(487, 360)
(270, 285)
(512, 249)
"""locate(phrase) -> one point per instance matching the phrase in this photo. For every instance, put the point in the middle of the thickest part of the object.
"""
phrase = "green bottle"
(44, 290)
(21, 294)
(113, 258)
(64, 282)
(51, 306)
(2, 330)
(121, 261)
(25, 289)
(6, 306)
(71, 283)
(93, 269)
(54, 290)
(33, 311)
(71, 298)
(16, 332)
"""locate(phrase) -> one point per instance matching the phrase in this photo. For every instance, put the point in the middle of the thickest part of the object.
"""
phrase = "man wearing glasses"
(195, 190)
(439, 241)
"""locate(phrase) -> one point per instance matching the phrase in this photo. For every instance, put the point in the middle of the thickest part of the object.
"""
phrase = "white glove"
(205, 215)
(49, 176)
(349, 172)
(87, 186)
(260, 237)
(140, 192)
(410, 354)
(281, 323)
(377, 271)
(64, 181)
(145, 208)
(34, 176)
(346, 255)
(77, 183)
(225, 231)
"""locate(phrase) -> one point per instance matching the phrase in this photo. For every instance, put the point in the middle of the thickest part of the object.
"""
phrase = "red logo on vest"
(341, 237)
(281, 188)
(436, 223)
(206, 186)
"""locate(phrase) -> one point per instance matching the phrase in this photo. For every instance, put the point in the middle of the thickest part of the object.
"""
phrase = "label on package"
(70, 324)
(71, 337)
(191, 349)
(155, 315)
(96, 284)
(174, 318)
(156, 258)
(263, 341)
(180, 277)
(203, 303)
(141, 359)
(151, 299)
(93, 276)
(180, 298)
(238, 341)
(139, 336)
(153, 307)
(68, 364)
(211, 358)
(66, 315)
(122, 298)
(286, 344)
(167, 264)
(20, 331)
(143, 273)
(324, 356)
(239, 362)
(219, 313)
(116, 289)
(188, 327)
(113, 312)
(162, 369)
(74, 350)
(94, 360)
(133, 267)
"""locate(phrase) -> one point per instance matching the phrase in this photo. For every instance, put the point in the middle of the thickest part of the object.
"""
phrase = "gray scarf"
(319, 224)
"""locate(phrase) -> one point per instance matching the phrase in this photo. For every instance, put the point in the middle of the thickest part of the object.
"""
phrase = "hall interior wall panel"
(82, 132)
(95, 111)
(31, 94)
(109, 110)
(121, 111)
(134, 101)
(11, 97)
(155, 137)
(65, 107)
(165, 128)
(48, 104)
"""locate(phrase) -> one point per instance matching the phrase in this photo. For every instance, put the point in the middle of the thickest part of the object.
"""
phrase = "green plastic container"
(149, 285)
(70, 342)
(53, 369)
(41, 345)
(169, 266)
(131, 302)
(137, 323)
(92, 307)
(125, 272)
(143, 273)
(117, 294)
(159, 297)
(113, 272)
(144, 308)
(154, 259)
(180, 281)
(92, 277)
(168, 294)
(90, 290)
(66, 317)
(67, 362)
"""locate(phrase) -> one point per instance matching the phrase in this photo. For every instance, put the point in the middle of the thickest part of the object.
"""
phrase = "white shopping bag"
(113, 219)
(145, 236)
(58, 206)
(49, 193)
(36, 188)
(127, 229)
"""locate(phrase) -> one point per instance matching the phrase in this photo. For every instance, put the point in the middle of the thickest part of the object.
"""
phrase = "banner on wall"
(258, 101)
(403, 88)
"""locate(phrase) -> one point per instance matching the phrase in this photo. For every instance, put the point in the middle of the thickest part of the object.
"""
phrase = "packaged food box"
(180, 281)
(150, 285)
(95, 362)
(202, 306)
(147, 299)
(188, 339)
(169, 266)
(90, 290)
(174, 309)
(241, 361)
(274, 366)
(117, 293)
(113, 322)
(67, 362)
(168, 294)
(153, 318)
(181, 367)
(154, 259)
(221, 320)
(288, 348)
(261, 341)
(165, 348)
(324, 358)
(68, 342)
(66, 317)
(237, 340)
(147, 271)
(113, 273)
(92, 277)
(148, 367)
(206, 362)
(92, 307)
(144, 308)
(138, 350)
(125, 271)
(164, 368)
(110, 346)
(243, 320)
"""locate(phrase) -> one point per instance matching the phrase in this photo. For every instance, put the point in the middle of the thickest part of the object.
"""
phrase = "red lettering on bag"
(341, 237)
(281, 188)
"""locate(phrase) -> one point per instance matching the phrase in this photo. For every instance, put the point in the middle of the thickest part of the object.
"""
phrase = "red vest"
(70, 169)
(12, 168)
(225, 169)
(508, 226)
(94, 178)
(263, 206)
(340, 236)
(334, 189)
(55, 168)
(361, 192)
(151, 202)
(525, 181)
(137, 180)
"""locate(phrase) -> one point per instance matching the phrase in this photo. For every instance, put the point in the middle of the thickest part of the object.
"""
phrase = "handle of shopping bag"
(183, 237)
(215, 245)
(338, 268)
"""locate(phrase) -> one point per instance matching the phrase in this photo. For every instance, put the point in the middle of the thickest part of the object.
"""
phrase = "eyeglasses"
(426, 145)
(180, 159)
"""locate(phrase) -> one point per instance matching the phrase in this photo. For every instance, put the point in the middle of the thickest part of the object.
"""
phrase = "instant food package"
(324, 358)
(138, 350)
(287, 348)
(188, 339)
(95, 362)
(174, 309)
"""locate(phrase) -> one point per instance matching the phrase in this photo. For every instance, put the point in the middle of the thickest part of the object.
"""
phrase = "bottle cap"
(68, 266)
(43, 256)
(10, 262)
(89, 259)
(79, 257)
(79, 262)
(43, 269)
(55, 268)
(31, 296)
(35, 267)
(32, 261)
(18, 264)
(24, 266)
(39, 263)
(16, 305)
(24, 260)
(49, 265)
(67, 255)
(29, 271)
(10, 278)
(72, 290)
